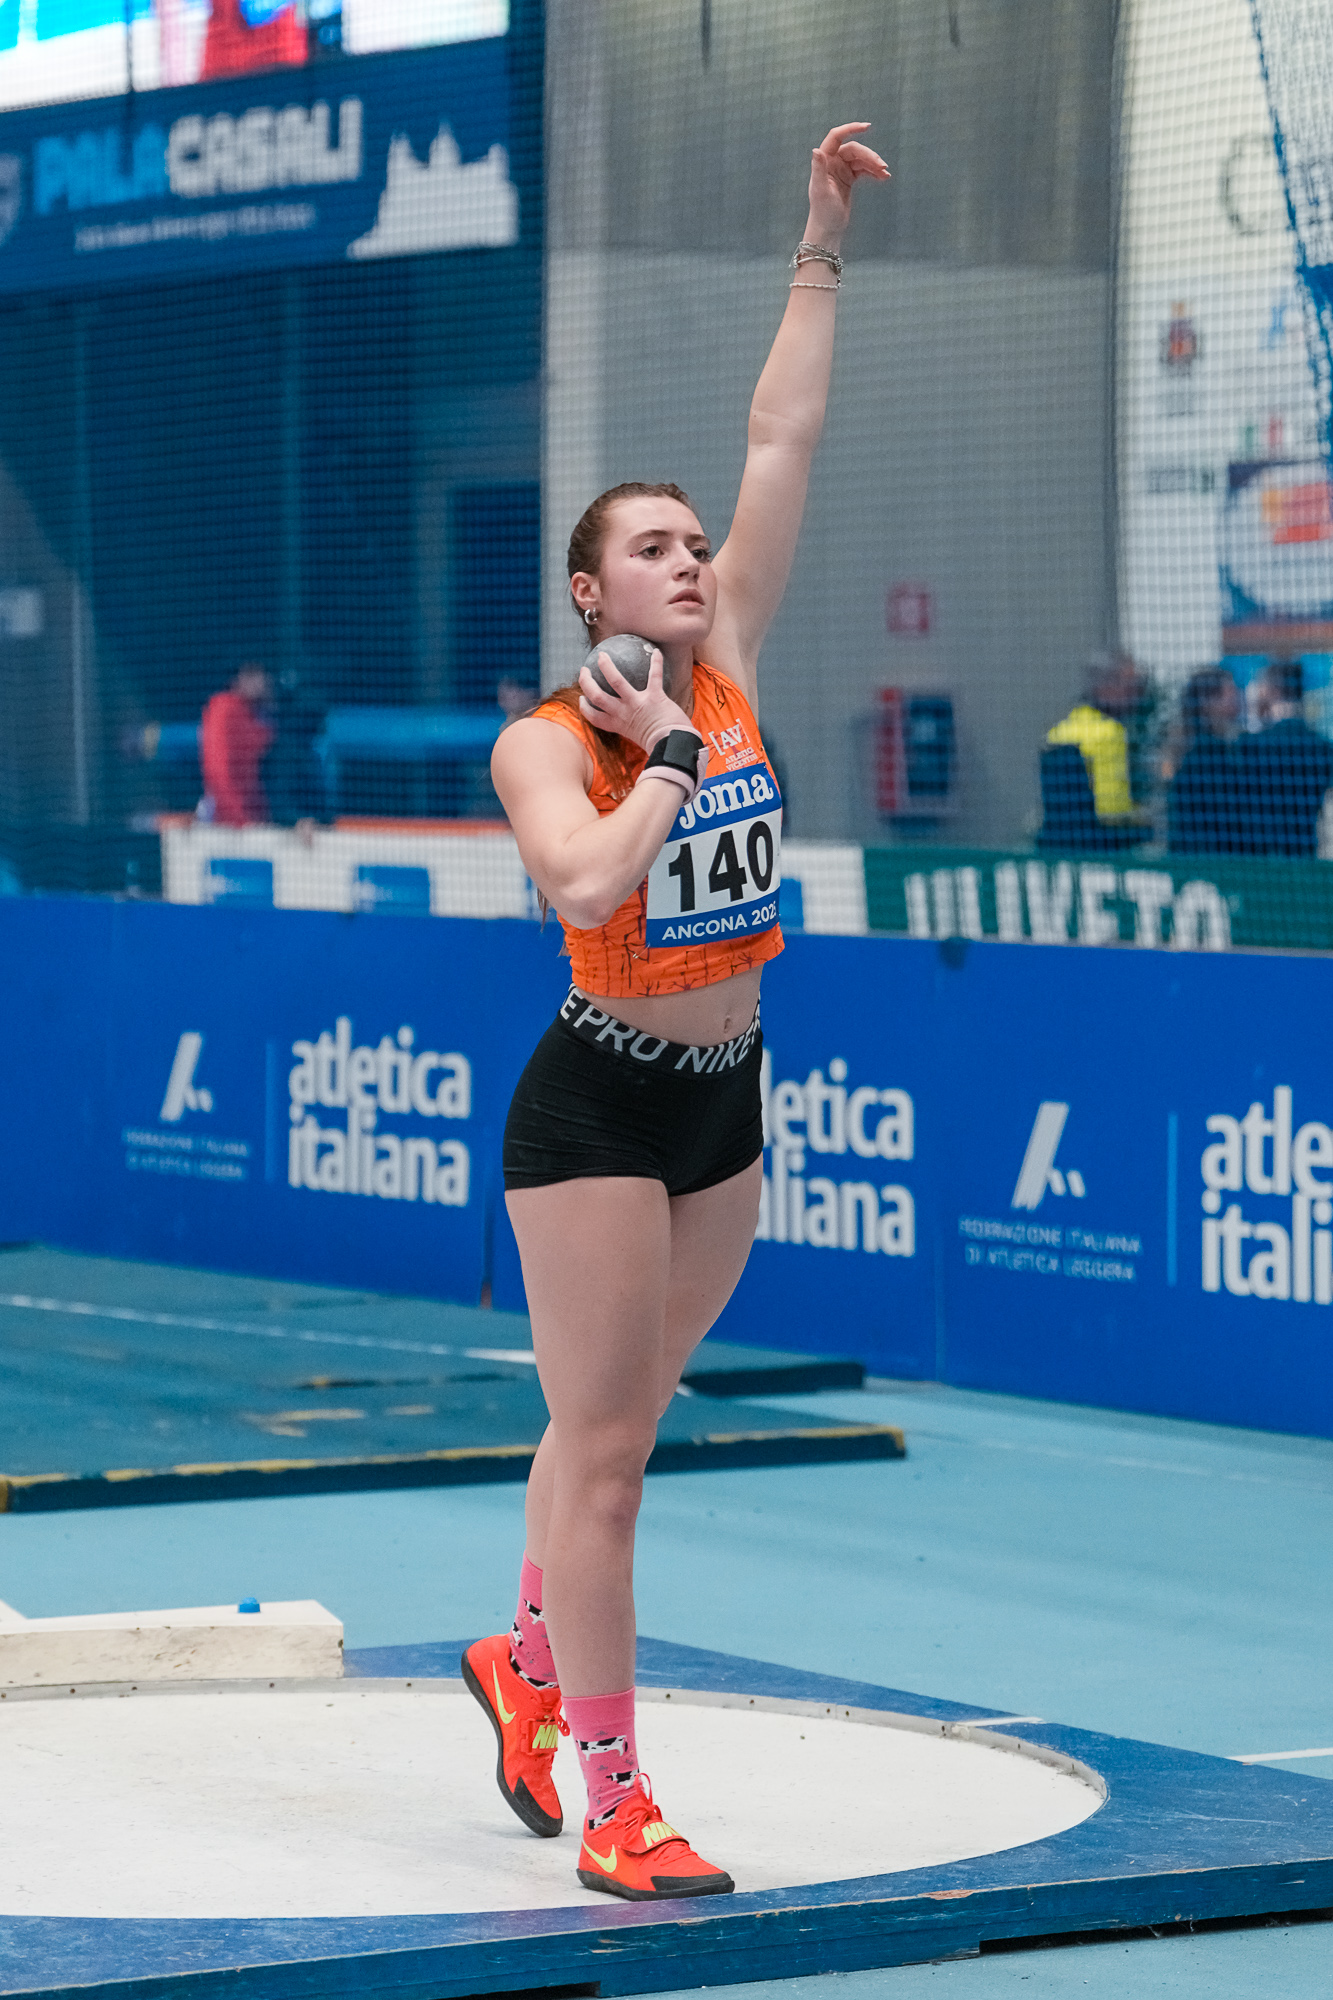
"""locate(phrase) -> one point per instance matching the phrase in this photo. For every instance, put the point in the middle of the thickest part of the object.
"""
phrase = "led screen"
(53, 50)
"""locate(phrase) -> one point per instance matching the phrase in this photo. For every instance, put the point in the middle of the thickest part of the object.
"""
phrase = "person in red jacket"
(246, 35)
(234, 735)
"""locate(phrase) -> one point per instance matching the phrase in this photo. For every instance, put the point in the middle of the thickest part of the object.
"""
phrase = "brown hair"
(585, 553)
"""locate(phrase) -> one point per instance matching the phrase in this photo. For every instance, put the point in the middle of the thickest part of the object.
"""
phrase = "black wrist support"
(679, 751)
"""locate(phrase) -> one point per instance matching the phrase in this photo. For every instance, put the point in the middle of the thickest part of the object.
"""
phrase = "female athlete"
(633, 1150)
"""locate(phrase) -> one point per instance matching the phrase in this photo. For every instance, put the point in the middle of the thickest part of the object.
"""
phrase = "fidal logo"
(182, 1093)
(189, 1154)
(1039, 1174)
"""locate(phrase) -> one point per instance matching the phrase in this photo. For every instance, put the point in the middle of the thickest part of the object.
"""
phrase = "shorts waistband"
(591, 1024)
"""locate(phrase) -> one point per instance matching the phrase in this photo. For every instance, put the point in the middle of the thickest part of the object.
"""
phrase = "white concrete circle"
(378, 1799)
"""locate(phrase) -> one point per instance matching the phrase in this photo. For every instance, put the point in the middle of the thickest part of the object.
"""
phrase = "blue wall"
(99, 998)
(1057, 1252)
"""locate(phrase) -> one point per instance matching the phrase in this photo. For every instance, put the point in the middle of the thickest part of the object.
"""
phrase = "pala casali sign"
(391, 156)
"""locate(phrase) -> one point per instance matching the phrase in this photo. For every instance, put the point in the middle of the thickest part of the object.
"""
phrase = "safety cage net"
(321, 324)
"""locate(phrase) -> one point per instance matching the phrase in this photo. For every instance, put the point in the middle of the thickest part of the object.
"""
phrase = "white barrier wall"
(470, 873)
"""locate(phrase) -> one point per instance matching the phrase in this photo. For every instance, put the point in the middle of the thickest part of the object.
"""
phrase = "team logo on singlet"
(718, 874)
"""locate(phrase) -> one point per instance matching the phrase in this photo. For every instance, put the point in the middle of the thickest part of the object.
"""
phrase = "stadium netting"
(321, 323)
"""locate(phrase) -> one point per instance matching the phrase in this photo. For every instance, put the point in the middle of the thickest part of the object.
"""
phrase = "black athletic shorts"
(600, 1098)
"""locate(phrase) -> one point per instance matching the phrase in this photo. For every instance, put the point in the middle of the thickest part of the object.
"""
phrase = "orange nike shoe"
(528, 1725)
(636, 1854)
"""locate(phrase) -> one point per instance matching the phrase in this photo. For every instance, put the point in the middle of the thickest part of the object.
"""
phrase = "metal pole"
(290, 583)
(81, 625)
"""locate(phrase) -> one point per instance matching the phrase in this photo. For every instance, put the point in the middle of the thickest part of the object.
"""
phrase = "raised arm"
(786, 418)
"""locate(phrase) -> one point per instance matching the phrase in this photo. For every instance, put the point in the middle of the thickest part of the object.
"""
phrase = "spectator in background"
(1287, 767)
(234, 737)
(292, 776)
(1203, 769)
(1097, 726)
(248, 35)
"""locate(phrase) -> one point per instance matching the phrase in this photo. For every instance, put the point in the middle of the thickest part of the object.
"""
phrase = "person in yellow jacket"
(1097, 726)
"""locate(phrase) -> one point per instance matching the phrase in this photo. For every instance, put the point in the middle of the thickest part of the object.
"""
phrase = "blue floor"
(1145, 1577)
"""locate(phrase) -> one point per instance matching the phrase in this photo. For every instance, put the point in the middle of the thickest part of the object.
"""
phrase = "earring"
(590, 617)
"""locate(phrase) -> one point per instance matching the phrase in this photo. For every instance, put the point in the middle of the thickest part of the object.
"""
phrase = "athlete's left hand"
(835, 168)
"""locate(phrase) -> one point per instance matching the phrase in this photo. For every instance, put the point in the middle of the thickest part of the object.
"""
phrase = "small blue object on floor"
(1162, 1837)
(248, 1604)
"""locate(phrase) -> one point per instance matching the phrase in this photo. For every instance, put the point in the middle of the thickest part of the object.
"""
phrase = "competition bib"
(718, 874)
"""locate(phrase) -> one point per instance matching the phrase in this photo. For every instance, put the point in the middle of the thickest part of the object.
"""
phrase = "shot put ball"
(630, 654)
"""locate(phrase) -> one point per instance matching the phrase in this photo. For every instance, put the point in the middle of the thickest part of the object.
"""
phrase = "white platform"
(363, 1798)
(294, 1640)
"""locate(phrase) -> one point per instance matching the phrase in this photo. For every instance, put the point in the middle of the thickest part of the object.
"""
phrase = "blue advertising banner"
(379, 156)
(237, 1091)
(1096, 1175)
(1137, 1203)
(844, 1261)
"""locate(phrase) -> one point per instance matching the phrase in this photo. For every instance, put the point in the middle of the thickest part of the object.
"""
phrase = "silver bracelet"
(798, 285)
(815, 252)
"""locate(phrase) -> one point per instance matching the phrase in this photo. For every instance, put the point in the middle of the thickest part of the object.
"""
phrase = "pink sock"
(528, 1643)
(602, 1726)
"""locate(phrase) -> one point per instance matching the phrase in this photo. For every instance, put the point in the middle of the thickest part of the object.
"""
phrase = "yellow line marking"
(453, 1455)
(22, 1479)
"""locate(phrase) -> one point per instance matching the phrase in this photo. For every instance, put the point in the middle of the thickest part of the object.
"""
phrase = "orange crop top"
(708, 908)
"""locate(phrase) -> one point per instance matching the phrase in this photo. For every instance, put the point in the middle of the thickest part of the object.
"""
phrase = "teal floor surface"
(122, 1384)
(1156, 1579)
(1284, 1963)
